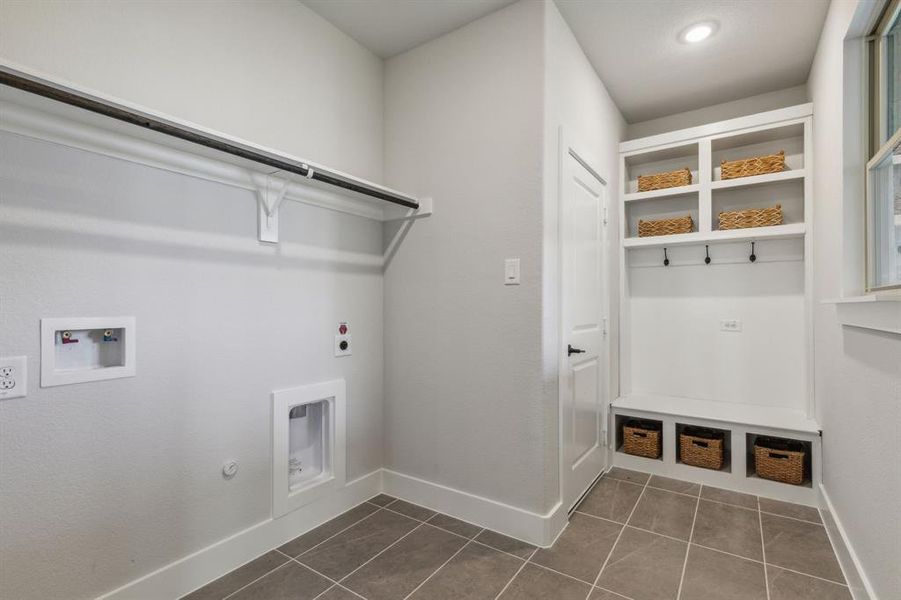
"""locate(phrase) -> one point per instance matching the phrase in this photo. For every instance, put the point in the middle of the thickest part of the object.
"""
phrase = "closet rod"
(87, 102)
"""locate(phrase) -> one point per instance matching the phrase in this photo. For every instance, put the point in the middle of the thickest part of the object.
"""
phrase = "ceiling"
(389, 27)
(760, 45)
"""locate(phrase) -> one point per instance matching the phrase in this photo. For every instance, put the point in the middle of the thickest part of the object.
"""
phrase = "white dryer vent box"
(80, 350)
(308, 444)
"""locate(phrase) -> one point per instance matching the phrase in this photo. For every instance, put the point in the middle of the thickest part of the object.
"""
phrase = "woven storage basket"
(780, 461)
(756, 165)
(660, 181)
(665, 226)
(701, 448)
(642, 438)
(751, 217)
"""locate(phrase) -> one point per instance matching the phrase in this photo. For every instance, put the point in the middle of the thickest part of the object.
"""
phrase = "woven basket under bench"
(701, 447)
(642, 438)
(665, 226)
(780, 460)
(751, 217)
(662, 181)
(756, 165)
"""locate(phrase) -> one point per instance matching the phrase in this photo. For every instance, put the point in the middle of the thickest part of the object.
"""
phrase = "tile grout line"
(597, 587)
(468, 539)
(435, 572)
(772, 514)
(382, 551)
(421, 522)
(708, 499)
(336, 586)
(490, 547)
(573, 577)
(693, 543)
(654, 487)
(691, 536)
(270, 572)
(388, 508)
(310, 549)
(754, 560)
(323, 575)
(633, 527)
(807, 575)
(473, 538)
(515, 575)
(757, 499)
(619, 535)
(292, 558)
(766, 575)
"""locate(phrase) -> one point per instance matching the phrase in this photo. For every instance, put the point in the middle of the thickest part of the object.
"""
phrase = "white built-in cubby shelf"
(702, 149)
(740, 426)
(723, 343)
(669, 158)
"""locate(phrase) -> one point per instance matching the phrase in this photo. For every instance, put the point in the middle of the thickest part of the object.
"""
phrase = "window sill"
(880, 311)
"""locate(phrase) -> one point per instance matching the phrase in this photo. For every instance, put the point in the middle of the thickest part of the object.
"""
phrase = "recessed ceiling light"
(697, 32)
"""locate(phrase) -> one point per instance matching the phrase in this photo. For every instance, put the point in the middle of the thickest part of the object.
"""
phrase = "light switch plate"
(13, 377)
(511, 271)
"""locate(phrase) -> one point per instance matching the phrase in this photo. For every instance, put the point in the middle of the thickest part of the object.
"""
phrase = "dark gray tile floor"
(633, 537)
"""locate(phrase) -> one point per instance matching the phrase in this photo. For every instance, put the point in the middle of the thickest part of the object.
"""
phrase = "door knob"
(570, 350)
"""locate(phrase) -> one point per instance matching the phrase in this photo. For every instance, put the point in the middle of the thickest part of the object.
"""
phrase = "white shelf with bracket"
(90, 121)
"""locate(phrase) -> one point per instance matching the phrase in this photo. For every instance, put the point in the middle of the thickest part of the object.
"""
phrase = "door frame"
(568, 146)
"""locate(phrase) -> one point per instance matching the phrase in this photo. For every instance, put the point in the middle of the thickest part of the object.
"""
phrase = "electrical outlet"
(342, 345)
(13, 377)
(732, 325)
(342, 340)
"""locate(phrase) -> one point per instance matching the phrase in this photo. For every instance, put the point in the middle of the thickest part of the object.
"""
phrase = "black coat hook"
(707, 258)
(665, 258)
(753, 256)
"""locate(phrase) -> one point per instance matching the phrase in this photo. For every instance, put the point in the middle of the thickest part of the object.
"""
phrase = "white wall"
(464, 403)
(576, 103)
(676, 346)
(471, 365)
(272, 72)
(719, 112)
(858, 372)
(105, 482)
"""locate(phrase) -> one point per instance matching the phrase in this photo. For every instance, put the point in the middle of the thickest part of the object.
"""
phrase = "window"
(884, 166)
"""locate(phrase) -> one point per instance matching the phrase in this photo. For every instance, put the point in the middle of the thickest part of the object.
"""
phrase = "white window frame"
(877, 149)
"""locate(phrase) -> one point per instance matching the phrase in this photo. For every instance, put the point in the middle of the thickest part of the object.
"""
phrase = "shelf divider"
(705, 197)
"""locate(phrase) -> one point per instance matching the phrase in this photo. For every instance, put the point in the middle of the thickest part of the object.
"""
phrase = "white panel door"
(584, 307)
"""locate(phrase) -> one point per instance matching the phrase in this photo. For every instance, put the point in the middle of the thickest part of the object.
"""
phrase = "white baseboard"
(195, 570)
(854, 574)
(534, 528)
